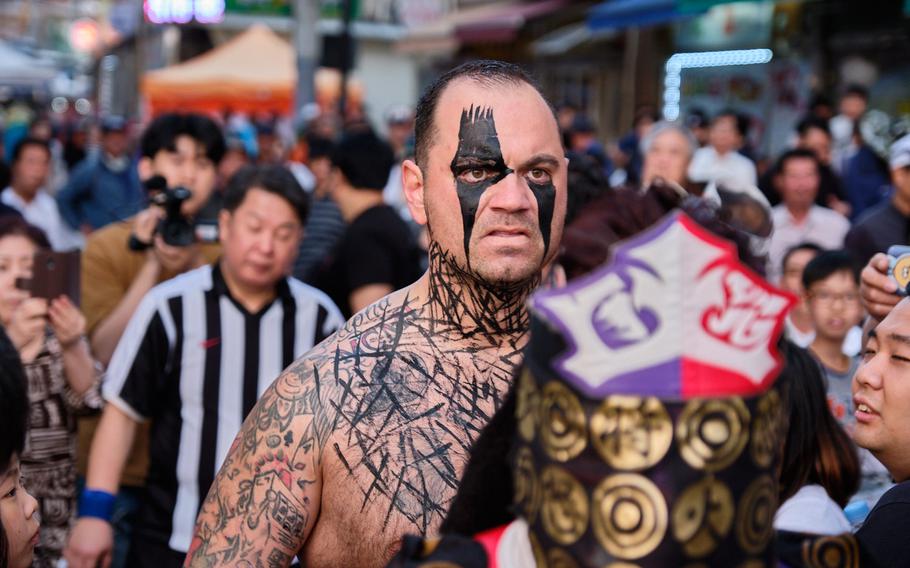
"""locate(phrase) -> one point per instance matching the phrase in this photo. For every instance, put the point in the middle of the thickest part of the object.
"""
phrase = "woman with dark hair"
(18, 522)
(820, 467)
(61, 380)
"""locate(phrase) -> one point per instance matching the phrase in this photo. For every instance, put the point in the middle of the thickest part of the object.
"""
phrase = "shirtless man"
(364, 439)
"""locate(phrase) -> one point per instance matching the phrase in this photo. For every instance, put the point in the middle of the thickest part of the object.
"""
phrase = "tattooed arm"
(266, 497)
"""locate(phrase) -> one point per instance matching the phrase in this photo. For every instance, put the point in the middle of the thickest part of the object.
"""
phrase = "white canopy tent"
(20, 69)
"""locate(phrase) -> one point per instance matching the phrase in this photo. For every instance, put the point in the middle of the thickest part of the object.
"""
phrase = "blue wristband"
(96, 503)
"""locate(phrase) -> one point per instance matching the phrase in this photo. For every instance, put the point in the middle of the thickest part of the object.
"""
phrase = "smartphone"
(54, 274)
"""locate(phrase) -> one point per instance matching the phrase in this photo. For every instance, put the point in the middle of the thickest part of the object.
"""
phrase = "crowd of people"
(306, 345)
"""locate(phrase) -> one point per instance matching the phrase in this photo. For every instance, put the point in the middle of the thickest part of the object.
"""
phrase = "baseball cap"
(900, 153)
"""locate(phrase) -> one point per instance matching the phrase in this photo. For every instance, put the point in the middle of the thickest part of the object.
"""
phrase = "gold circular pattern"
(755, 515)
(702, 516)
(559, 558)
(765, 426)
(564, 508)
(712, 433)
(527, 490)
(526, 406)
(562, 422)
(832, 552)
(631, 433)
(629, 515)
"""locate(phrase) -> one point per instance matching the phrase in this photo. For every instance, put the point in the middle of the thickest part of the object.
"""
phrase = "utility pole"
(346, 50)
(306, 42)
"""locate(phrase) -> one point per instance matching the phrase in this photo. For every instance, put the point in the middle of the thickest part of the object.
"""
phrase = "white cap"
(900, 153)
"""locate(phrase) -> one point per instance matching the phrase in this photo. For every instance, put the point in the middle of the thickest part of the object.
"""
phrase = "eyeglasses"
(829, 298)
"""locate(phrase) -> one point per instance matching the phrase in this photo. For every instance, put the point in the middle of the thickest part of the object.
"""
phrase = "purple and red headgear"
(648, 431)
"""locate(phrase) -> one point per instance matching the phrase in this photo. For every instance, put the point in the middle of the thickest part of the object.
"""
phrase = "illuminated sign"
(183, 11)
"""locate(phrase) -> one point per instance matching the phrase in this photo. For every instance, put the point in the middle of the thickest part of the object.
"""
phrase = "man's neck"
(252, 299)
(799, 214)
(464, 306)
(26, 196)
(356, 201)
(830, 353)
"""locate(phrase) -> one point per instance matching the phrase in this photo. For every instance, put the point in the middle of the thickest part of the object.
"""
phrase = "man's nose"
(511, 194)
(869, 374)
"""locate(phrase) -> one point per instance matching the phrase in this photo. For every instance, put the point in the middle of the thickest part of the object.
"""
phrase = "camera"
(175, 229)
(899, 267)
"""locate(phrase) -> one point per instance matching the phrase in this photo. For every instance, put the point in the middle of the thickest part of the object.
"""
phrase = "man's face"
(792, 279)
(187, 167)
(881, 393)
(723, 135)
(399, 132)
(853, 106)
(259, 239)
(114, 143)
(494, 185)
(31, 170)
(900, 178)
(667, 158)
(799, 183)
(819, 142)
(834, 305)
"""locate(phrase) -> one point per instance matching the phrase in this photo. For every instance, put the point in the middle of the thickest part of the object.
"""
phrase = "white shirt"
(732, 171)
(822, 226)
(811, 511)
(42, 212)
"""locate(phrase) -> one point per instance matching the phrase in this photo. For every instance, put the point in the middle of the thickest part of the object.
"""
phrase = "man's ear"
(144, 168)
(224, 217)
(413, 184)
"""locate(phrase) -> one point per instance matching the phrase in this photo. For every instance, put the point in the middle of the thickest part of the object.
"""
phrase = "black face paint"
(545, 194)
(478, 149)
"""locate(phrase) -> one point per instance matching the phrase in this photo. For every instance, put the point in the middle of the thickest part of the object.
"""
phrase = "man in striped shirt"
(196, 355)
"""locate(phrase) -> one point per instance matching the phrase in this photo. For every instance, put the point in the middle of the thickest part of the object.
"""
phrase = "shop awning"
(497, 22)
(615, 14)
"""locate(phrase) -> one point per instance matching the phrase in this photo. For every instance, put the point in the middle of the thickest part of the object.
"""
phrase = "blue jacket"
(97, 196)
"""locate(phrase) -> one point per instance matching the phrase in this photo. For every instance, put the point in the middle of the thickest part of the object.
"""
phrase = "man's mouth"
(864, 412)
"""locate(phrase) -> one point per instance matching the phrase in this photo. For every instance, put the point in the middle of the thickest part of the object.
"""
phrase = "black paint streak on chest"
(478, 148)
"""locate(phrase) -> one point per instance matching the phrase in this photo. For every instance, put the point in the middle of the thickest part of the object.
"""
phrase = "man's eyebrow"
(540, 160)
(905, 339)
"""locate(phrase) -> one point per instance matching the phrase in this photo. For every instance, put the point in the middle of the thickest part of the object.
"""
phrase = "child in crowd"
(831, 284)
(831, 288)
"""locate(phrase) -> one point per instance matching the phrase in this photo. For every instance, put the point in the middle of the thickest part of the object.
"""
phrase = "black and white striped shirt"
(194, 361)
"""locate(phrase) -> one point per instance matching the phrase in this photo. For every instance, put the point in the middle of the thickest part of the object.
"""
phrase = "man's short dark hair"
(483, 71)
(30, 141)
(795, 249)
(163, 132)
(827, 263)
(319, 147)
(812, 122)
(795, 154)
(856, 90)
(364, 159)
(740, 121)
(271, 178)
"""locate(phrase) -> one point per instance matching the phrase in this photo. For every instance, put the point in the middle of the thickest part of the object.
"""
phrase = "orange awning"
(254, 71)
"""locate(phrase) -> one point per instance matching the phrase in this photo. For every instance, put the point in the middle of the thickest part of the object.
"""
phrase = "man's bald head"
(484, 72)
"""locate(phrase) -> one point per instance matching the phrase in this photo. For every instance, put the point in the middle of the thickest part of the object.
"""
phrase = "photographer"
(123, 261)
(61, 380)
